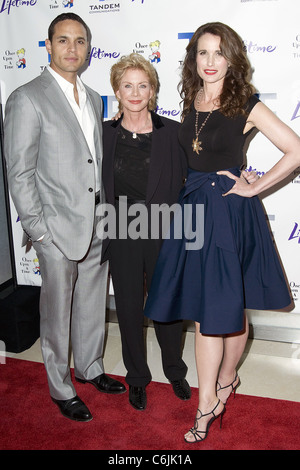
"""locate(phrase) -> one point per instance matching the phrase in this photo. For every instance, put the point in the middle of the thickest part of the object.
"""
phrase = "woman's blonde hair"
(135, 61)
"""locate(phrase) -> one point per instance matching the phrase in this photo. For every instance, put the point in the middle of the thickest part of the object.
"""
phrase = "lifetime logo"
(295, 233)
(7, 5)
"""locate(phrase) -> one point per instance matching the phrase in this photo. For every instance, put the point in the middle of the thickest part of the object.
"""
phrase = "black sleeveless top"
(222, 139)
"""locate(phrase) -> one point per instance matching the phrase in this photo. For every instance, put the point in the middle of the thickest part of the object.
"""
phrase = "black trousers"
(132, 264)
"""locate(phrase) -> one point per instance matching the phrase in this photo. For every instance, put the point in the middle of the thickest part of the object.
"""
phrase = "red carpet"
(30, 421)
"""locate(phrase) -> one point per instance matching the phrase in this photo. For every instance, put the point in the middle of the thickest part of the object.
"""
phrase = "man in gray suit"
(53, 147)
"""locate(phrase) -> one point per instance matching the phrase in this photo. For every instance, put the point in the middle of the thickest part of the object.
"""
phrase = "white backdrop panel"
(269, 28)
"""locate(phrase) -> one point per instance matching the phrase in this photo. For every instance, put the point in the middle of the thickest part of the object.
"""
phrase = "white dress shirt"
(83, 113)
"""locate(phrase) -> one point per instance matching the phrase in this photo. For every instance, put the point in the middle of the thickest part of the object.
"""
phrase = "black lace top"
(131, 164)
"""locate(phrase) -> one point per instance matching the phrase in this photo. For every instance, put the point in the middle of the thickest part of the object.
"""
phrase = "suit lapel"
(98, 125)
(158, 149)
(57, 98)
(109, 148)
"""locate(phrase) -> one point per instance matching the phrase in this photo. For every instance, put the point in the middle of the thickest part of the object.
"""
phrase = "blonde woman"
(143, 163)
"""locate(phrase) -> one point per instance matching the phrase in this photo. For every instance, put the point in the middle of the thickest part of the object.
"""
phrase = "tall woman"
(237, 266)
(143, 164)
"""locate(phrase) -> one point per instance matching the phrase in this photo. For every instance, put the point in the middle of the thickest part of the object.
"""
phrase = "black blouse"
(131, 164)
(222, 139)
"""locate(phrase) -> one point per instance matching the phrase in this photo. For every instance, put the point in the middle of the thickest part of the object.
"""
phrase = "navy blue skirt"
(236, 268)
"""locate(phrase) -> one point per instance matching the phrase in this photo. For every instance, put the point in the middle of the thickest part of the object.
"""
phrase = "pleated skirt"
(230, 264)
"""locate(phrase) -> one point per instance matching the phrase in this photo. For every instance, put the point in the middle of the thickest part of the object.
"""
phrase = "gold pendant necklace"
(196, 145)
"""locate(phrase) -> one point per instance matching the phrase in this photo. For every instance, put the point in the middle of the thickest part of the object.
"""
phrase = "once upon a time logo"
(295, 289)
(296, 46)
(61, 3)
(14, 59)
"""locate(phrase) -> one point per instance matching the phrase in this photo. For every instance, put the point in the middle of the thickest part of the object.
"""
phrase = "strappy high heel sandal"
(233, 387)
(201, 435)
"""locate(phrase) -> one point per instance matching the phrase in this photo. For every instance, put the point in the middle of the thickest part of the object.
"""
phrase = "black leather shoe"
(105, 384)
(181, 389)
(74, 408)
(137, 397)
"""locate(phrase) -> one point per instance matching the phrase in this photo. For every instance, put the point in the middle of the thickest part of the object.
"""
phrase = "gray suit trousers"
(72, 310)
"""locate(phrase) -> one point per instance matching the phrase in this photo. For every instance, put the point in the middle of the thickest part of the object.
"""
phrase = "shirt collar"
(64, 84)
(156, 120)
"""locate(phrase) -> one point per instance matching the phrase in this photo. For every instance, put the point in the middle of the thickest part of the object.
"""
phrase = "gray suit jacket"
(50, 168)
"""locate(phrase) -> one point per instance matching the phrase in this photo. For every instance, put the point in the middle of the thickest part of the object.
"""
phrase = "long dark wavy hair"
(237, 88)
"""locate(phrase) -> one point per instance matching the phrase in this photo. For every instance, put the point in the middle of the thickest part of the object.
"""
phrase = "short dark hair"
(67, 16)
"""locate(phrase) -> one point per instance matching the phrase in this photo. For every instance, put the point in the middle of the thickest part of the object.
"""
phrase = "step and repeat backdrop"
(160, 31)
